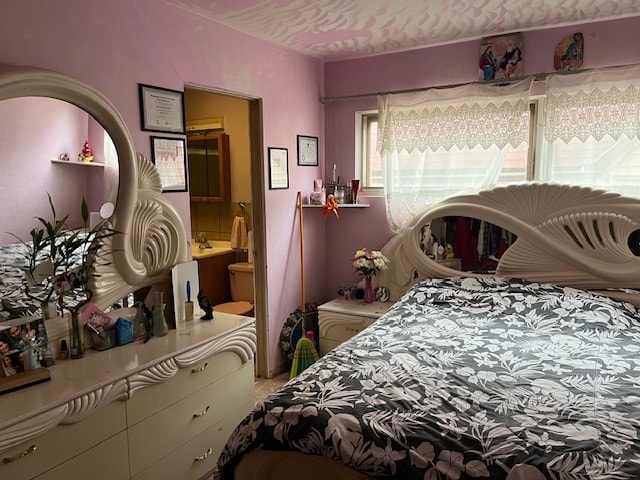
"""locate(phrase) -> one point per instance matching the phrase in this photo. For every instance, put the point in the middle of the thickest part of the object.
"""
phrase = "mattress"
(464, 378)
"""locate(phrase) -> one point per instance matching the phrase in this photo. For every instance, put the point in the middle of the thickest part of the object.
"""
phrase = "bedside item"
(340, 319)
(348, 291)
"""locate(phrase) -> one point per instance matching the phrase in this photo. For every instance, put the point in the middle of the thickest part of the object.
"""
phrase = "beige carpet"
(265, 386)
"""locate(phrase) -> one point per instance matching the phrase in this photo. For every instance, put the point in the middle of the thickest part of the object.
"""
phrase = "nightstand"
(339, 320)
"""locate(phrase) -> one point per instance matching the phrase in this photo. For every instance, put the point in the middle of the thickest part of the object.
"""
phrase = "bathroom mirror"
(151, 238)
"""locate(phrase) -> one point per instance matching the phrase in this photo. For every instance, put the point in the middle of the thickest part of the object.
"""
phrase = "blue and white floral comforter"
(469, 378)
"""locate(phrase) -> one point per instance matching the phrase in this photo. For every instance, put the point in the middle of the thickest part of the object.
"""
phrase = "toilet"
(241, 279)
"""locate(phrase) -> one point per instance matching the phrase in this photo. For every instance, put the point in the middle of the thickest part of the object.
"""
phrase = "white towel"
(239, 239)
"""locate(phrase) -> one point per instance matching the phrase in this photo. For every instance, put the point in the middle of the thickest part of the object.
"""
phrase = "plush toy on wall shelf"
(86, 155)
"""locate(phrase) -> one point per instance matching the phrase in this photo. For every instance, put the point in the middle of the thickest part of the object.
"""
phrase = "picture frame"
(24, 346)
(307, 150)
(170, 158)
(501, 57)
(161, 109)
(278, 168)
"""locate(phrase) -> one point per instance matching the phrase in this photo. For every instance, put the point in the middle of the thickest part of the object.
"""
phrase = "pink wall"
(606, 44)
(32, 132)
(116, 44)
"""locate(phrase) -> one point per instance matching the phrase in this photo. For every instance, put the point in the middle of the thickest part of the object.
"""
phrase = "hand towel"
(239, 239)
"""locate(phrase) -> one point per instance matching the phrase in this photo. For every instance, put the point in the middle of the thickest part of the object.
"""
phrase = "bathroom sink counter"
(217, 248)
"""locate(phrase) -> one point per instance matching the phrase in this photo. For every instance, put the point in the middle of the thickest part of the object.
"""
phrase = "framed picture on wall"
(501, 56)
(307, 150)
(161, 109)
(169, 157)
(278, 168)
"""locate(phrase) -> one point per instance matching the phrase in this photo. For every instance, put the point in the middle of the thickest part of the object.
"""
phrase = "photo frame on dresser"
(24, 352)
(24, 345)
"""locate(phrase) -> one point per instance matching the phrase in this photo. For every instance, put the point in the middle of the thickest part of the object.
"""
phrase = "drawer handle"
(201, 369)
(202, 413)
(32, 448)
(204, 455)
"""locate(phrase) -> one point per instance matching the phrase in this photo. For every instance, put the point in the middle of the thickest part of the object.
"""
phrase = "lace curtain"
(591, 127)
(443, 142)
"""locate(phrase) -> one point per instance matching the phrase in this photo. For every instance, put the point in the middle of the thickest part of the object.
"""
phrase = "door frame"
(258, 214)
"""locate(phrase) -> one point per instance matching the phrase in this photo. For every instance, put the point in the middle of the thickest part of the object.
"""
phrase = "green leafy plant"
(60, 259)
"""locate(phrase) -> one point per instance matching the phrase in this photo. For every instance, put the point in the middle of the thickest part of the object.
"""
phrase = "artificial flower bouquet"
(368, 263)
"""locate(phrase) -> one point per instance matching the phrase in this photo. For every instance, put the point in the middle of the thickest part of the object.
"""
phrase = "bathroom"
(221, 227)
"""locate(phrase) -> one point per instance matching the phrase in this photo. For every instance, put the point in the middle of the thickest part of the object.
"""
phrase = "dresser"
(339, 320)
(157, 410)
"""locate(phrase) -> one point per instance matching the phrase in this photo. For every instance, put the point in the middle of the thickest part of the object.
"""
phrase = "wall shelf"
(340, 205)
(84, 164)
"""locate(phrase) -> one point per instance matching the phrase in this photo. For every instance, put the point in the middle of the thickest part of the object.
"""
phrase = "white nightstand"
(339, 320)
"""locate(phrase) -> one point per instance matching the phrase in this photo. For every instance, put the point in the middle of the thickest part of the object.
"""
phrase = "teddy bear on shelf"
(86, 155)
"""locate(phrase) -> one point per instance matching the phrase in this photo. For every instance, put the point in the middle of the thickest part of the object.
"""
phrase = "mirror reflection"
(37, 136)
(465, 244)
(46, 147)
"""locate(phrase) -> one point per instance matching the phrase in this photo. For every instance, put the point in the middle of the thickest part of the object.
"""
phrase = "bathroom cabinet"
(209, 167)
(213, 273)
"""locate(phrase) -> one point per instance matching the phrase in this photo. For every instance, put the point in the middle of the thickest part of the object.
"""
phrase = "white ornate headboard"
(152, 238)
(573, 236)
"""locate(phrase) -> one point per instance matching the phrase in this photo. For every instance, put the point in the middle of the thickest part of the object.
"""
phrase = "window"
(369, 163)
(583, 134)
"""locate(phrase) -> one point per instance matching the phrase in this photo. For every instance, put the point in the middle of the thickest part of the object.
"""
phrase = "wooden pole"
(302, 305)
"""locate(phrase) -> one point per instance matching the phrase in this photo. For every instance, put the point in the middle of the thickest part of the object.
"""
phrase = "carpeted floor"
(264, 386)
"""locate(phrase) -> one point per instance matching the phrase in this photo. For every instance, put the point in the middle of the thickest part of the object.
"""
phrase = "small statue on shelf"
(86, 155)
(205, 304)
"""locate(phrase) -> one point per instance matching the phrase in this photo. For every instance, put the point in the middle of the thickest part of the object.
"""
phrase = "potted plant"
(60, 262)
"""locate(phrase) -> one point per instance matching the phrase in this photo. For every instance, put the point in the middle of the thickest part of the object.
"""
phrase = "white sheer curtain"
(591, 126)
(442, 142)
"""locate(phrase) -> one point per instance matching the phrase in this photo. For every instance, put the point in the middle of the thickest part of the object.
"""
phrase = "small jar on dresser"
(339, 320)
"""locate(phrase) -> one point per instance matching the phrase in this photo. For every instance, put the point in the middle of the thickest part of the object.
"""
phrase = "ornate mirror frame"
(152, 238)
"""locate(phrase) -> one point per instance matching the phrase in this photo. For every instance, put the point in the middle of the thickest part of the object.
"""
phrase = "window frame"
(363, 121)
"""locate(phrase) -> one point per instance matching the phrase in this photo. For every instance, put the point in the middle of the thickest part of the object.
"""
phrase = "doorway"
(240, 117)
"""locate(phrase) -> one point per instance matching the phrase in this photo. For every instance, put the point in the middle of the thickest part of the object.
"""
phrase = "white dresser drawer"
(147, 401)
(341, 327)
(106, 461)
(199, 456)
(160, 434)
(63, 443)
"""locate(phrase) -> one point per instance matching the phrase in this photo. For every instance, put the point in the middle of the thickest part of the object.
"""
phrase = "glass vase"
(369, 292)
(76, 336)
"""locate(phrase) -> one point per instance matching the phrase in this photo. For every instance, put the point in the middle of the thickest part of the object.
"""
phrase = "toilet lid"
(236, 308)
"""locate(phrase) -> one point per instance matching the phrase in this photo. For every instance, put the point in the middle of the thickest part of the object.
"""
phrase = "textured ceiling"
(347, 29)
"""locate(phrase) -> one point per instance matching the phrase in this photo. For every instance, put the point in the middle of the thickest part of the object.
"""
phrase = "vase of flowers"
(368, 263)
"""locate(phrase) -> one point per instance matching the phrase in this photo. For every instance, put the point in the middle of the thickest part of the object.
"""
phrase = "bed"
(531, 372)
